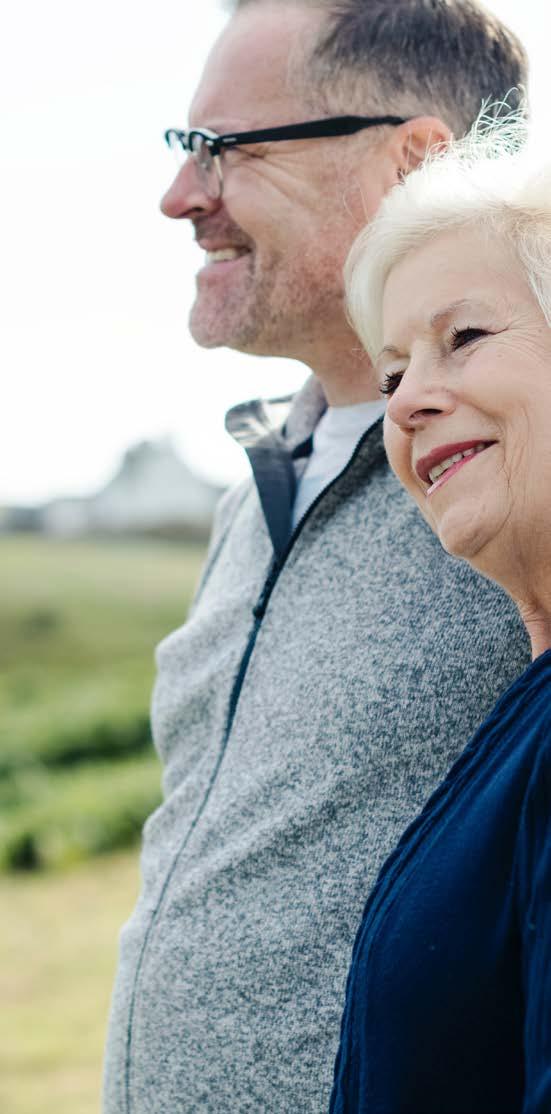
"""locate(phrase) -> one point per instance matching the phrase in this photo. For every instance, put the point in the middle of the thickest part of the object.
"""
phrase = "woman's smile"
(466, 369)
(442, 463)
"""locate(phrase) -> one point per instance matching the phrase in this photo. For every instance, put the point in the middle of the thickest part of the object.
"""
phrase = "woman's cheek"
(398, 449)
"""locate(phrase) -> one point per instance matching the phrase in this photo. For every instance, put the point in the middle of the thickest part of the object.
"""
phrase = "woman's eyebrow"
(388, 350)
(436, 320)
(441, 316)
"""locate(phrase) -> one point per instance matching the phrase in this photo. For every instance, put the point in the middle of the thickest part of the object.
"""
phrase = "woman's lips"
(442, 463)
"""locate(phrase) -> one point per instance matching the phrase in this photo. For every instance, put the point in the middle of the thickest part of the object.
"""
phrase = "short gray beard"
(253, 321)
(233, 328)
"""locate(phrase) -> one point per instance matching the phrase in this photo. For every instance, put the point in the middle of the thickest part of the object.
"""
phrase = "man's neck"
(344, 371)
(347, 390)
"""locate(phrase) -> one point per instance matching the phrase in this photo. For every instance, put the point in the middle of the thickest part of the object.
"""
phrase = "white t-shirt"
(335, 438)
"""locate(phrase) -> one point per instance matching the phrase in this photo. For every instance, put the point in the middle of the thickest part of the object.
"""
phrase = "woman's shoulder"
(525, 708)
(533, 853)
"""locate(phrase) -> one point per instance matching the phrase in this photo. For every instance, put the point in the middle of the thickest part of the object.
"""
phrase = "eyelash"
(391, 382)
(470, 333)
(460, 338)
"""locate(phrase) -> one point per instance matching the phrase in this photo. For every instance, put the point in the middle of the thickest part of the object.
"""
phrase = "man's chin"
(207, 329)
(210, 330)
(206, 340)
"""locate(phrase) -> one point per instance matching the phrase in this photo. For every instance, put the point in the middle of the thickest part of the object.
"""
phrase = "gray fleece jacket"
(320, 689)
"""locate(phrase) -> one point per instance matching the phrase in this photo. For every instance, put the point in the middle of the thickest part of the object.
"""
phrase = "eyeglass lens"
(206, 164)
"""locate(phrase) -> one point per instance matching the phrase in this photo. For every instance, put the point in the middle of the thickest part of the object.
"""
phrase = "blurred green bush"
(57, 819)
(79, 622)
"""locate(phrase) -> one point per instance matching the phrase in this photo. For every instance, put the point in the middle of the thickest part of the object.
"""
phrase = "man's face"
(289, 210)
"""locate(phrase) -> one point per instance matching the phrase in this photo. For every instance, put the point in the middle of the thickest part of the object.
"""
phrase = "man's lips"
(210, 249)
(217, 243)
(452, 456)
(221, 257)
(224, 244)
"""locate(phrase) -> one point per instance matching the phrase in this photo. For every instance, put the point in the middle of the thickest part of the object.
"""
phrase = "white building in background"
(153, 487)
(154, 491)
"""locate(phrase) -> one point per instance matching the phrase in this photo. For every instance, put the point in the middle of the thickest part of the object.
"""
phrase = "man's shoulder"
(228, 507)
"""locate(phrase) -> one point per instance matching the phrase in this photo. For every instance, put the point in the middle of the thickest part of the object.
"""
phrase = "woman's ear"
(412, 141)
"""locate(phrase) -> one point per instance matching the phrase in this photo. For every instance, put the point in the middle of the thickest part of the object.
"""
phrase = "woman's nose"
(418, 399)
(186, 197)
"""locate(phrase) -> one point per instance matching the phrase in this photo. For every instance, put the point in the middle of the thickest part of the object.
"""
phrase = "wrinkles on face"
(493, 511)
(295, 206)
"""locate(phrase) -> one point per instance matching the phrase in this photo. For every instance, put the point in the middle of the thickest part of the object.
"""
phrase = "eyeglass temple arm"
(337, 125)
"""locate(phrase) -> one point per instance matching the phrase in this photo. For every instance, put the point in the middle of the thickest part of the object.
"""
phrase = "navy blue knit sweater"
(448, 1003)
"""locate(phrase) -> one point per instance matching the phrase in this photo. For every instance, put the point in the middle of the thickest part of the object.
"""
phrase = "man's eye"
(391, 382)
(235, 155)
(461, 337)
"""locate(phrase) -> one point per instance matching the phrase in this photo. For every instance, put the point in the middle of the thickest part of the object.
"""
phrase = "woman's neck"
(524, 571)
(538, 624)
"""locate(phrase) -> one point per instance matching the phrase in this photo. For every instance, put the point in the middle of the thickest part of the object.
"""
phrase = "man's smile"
(221, 261)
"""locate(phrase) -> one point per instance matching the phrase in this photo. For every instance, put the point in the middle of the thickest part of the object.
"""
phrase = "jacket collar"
(270, 432)
(292, 419)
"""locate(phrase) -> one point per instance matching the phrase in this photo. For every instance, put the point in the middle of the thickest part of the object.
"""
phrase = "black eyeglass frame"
(329, 127)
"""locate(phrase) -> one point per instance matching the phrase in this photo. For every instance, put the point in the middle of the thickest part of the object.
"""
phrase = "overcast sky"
(95, 284)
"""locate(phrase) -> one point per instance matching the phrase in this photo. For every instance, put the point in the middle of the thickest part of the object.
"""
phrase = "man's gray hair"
(412, 58)
(492, 181)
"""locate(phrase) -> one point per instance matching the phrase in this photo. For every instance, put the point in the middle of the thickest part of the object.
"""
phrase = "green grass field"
(78, 775)
(79, 622)
(58, 945)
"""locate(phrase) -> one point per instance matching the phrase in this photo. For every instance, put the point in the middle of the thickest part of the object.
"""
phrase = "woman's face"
(466, 365)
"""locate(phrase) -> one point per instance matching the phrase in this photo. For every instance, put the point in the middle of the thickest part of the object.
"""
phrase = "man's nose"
(186, 197)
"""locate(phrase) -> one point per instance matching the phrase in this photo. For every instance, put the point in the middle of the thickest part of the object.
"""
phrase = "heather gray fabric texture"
(375, 658)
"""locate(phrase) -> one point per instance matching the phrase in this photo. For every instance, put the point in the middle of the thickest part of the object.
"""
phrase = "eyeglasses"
(207, 148)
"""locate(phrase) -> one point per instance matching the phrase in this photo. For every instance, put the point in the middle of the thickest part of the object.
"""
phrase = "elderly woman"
(448, 1003)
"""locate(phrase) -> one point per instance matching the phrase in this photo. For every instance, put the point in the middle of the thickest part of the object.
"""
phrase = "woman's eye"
(461, 337)
(391, 382)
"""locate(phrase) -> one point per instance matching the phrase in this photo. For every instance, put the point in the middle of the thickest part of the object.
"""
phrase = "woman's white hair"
(493, 179)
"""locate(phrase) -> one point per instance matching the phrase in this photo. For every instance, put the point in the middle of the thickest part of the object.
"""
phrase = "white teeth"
(222, 255)
(438, 469)
(447, 463)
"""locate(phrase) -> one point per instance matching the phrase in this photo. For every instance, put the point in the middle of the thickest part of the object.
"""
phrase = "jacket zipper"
(258, 612)
(277, 566)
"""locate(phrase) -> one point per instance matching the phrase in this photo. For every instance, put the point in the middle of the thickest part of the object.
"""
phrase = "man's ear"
(412, 141)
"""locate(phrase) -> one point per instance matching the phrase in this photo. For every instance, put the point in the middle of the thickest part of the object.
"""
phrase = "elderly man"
(335, 660)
